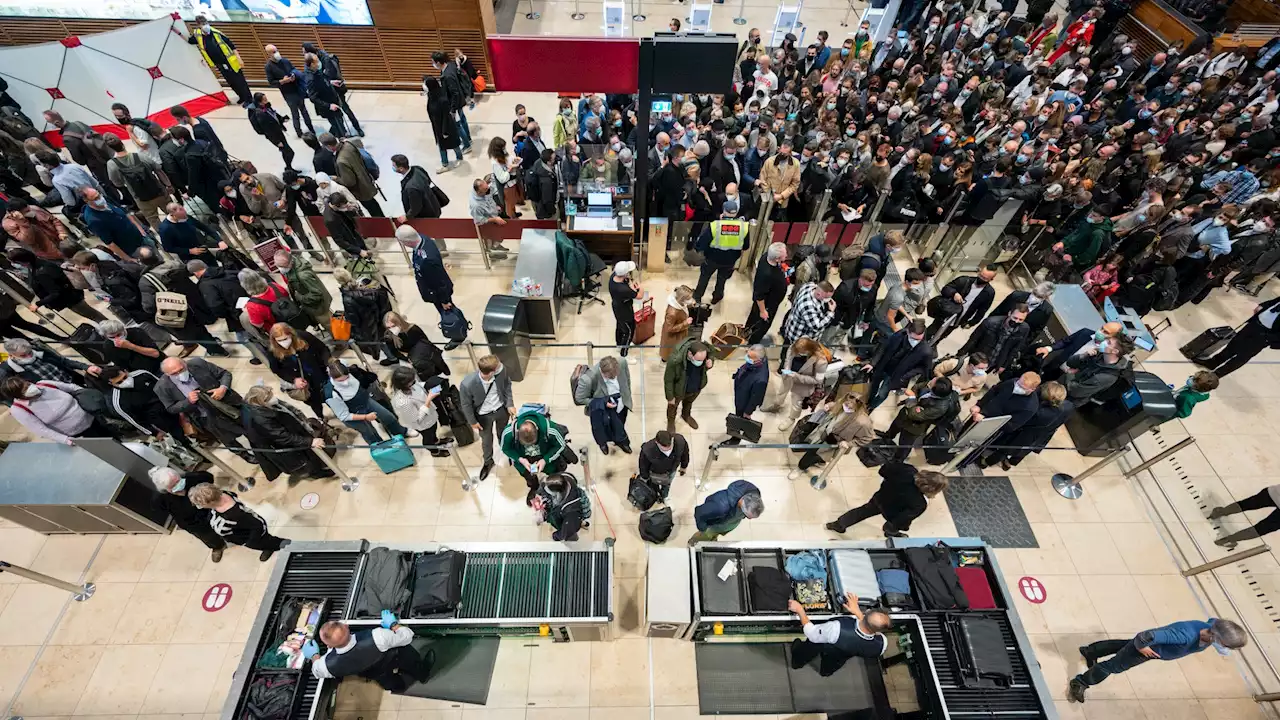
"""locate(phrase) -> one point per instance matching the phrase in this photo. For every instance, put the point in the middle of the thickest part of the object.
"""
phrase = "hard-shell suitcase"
(979, 651)
(646, 320)
(1208, 342)
(392, 455)
(437, 582)
(851, 571)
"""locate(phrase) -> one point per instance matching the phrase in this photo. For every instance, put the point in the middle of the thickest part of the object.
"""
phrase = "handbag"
(440, 196)
(297, 393)
(340, 326)
(693, 258)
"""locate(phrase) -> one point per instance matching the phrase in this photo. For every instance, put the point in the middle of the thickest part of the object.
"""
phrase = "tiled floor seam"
(66, 605)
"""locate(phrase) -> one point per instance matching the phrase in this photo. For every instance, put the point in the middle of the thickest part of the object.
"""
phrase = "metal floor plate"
(987, 507)
(462, 671)
(853, 687)
(743, 678)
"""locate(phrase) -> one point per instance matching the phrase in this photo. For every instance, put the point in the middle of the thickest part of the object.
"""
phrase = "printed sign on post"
(216, 597)
(1032, 589)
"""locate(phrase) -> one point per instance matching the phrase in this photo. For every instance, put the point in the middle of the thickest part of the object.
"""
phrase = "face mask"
(567, 112)
(1144, 114)
(831, 106)
(1092, 220)
(667, 451)
(697, 363)
(913, 341)
(184, 376)
(275, 56)
(1019, 390)
(231, 193)
(99, 203)
(1219, 222)
(284, 342)
(393, 330)
(979, 372)
(841, 162)
(844, 52)
(947, 140)
(26, 360)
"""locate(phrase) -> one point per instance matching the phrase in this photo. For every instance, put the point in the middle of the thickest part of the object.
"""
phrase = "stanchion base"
(351, 485)
(470, 483)
(532, 16)
(1065, 485)
(578, 16)
(817, 482)
(639, 18)
(85, 593)
(739, 21)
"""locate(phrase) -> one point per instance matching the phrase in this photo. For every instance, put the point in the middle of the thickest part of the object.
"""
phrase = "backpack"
(139, 178)
(285, 309)
(656, 525)
(1166, 294)
(576, 376)
(536, 408)
(370, 165)
(171, 307)
(454, 324)
(641, 494)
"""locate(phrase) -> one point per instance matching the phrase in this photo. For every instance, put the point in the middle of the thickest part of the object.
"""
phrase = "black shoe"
(604, 449)
(388, 362)
(1075, 691)
(625, 448)
(452, 344)
(484, 470)
(255, 361)
(439, 453)
(216, 351)
(266, 555)
(1089, 659)
(834, 527)
(1218, 512)
(795, 647)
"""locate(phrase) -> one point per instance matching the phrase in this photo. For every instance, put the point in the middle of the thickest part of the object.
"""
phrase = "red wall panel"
(547, 64)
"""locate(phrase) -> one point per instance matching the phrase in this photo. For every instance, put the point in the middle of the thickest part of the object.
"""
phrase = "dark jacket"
(1037, 319)
(452, 81)
(1092, 376)
(185, 515)
(416, 195)
(365, 306)
(284, 434)
(322, 92)
(173, 158)
(900, 362)
(277, 70)
(673, 378)
(443, 126)
(308, 364)
(853, 305)
(1000, 344)
(434, 283)
(566, 514)
(174, 277)
(963, 285)
(722, 506)
(1037, 431)
(52, 288)
(920, 413)
(653, 461)
(268, 123)
(1002, 400)
(204, 172)
(899, 500)
(120, 280)
(423, 354)
(1273, 335)
(207, 375)
(1064, 350)
(323, 160)
(749, 385)
(342, 228)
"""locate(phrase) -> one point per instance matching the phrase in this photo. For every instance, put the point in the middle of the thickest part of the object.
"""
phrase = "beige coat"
(264, 205)
(784, 181)
(674, 331)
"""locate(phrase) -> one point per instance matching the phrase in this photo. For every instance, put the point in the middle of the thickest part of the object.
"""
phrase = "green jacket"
(1086, 242)
(673, 378)
(307, 290)
(1185, 399)
(549, 446)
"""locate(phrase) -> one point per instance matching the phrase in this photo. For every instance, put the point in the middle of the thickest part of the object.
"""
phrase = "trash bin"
(506, 329)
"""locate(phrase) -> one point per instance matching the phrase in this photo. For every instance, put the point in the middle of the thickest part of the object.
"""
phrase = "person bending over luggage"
(234, 522)
(352, 403)
(171, 498)
(723, 510)
(564, 505)
(660, 459)
(846, 424)
(903, 496)
(535, 445)
(857, 634)
(381, 654)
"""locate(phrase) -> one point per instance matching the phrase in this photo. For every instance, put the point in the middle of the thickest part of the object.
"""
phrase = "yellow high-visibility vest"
(728, 234)
(233, 61)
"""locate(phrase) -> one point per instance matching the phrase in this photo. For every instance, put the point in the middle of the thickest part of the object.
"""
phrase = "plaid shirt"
(42, 369)
(809, 316)
(1243, 184)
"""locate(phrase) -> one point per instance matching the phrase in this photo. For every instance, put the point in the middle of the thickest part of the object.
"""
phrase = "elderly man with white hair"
(129, 348)
(768, 290)
(37, 363)
(172, 498)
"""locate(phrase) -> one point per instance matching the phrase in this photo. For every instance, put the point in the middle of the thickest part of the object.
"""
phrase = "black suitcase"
(437, 582)
(978, 649)
(86, 341)
(938, 442)
(1208, 342)
(449, 406)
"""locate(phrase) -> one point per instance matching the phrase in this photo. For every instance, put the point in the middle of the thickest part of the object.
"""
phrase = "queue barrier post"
(349, 483)
(52, 318)
(713, 454)
(591, 353)
(1227, 560)
(245, 482)
(79, 593)
(468, 481)
(471, 352)
(1185, 442)
(819, 481)
(364, 359)
(816, 226)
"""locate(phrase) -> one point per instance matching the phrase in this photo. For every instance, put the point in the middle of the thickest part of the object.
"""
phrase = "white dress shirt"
(383, 638)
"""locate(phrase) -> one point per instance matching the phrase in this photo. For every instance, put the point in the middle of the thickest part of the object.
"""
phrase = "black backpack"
(286, 310)
(656, 525)
(641, 494)
(1166, 293)
(140, 179)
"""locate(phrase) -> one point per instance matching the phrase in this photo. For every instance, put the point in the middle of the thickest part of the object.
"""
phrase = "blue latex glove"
(388, 619)
(310, 649)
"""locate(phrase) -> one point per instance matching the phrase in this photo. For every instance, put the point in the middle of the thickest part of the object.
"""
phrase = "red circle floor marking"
(1032, 589)
(216, 597)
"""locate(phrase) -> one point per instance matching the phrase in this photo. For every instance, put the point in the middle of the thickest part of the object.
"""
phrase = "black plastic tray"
(721, 597)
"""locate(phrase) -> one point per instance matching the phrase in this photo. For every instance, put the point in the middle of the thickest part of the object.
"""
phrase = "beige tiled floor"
(142, 648)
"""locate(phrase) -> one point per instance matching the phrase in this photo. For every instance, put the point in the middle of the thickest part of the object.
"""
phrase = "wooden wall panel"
(404, 13)
(457, 13)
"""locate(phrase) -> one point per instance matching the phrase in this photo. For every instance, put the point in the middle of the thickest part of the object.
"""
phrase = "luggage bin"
(506, 329)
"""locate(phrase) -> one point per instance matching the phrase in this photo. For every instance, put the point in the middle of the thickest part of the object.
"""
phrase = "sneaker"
(439, 453)
(501, 248)
(411, 434)
(1075, 691)
(1089, 659)
(690, 421)
(215, 555)
(1217, 512)
(497, 255)
(786, 424)
(217, 351)
(633, 360)
(466, 150)
(453, 345)
(246, 485)
(834, 527)
(795, 474)
(485, 469)
(444, 168)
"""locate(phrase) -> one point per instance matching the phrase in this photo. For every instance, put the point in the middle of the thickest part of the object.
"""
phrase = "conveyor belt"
(508, 585)
(1017, 702)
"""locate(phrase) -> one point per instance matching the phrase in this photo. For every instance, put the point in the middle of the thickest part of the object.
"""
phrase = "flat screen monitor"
(599, 198)
(298, 12)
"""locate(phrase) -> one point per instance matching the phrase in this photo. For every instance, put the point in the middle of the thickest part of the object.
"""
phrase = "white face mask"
(275, 56)
(979, 372)
(184, 376)
(125, 383)
(284, 342)
(1019, 390)
(667, 451)
(393, 330)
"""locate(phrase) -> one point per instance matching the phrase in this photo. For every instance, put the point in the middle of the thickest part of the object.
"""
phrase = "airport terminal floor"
(144, 647)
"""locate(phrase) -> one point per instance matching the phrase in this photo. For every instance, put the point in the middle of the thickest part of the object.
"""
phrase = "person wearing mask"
(34, 228)
(200, 129)
(193, 166)
(142, 176)
(811, 312)
(188, 237)
(324, 98)
(352, 173)
(605, 393)
(485, 210)
(966, 300)
(49, 409)
(414, 405)
(352, 402)
(968, 374)
(365, 303)
(456, 88)
(1039, 306)
(67, 180)
(929, 403)
(145, 133)
(131, 397)
(332, 69)
(890, 314)
(1081, 342)
(1053, 410)
(282, 75)
(171, 499)
(1093, 371)
(750, 383)
(418, 194)
(683, 380)
(220, 53)
(854, 304)
(845, 423)
(223, 293)
(564, 506)
(1168, 643)
(447, 133)
(903, 496)
(89, 154)
(858, 634)
(300, 359)
(535, 445)
(1001, 338)
(722, 243)
(623, 292)
(768, 290)
(903, 356)
(129, 348)
(1015, 397)
(723, 510)
(117, 279)
(174, 277)
(676, 322)
(1087, 241)
(661, 458)
(802, 367)
(305, 287)
(1260, 331)
(780, 177)
(50, 284)
(544, 188)
(119, 230)
(487, 404)
(271, 125)
(42, 365)
(234, 522)
(407, 342)
(271, 424)
(340, 220)
(201, 392)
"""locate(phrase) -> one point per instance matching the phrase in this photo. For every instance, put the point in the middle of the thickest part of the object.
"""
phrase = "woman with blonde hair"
(802, 368)
(364, 303)
(676, 321)
(841, 421)
(273, 425)
(1035, 434)
(299, 359)
(234, 521)
(407, 342)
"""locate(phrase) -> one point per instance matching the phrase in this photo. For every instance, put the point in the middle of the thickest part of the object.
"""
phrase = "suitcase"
(852, 381)
(392, 455)
(852, 572)
(437, 582)
(978, 649)
(1208, 342)
(266, 252)
(646, 321)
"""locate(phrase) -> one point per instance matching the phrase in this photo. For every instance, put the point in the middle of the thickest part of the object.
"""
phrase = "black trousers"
(407, 668)
(375, 210)
(1268, 524)
(9, 329)
(287, 154)
(803, 652)
(334, 117)
(206, 535)
(298, 109)
(1251, 340)
(852, 517)
(704, 278)
(266, 541)
(906, 440)
(342, 102)
(757, 328)
(235, 78)
(624, 330)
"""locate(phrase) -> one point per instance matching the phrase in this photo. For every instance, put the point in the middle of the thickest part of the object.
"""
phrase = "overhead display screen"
(308, 12)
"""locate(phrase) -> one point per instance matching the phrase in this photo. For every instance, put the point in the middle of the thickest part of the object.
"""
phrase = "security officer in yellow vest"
(721, 243)
(220, 53)
(382, 654)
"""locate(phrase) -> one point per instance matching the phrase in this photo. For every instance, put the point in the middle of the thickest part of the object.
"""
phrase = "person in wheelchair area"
(564, 505)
